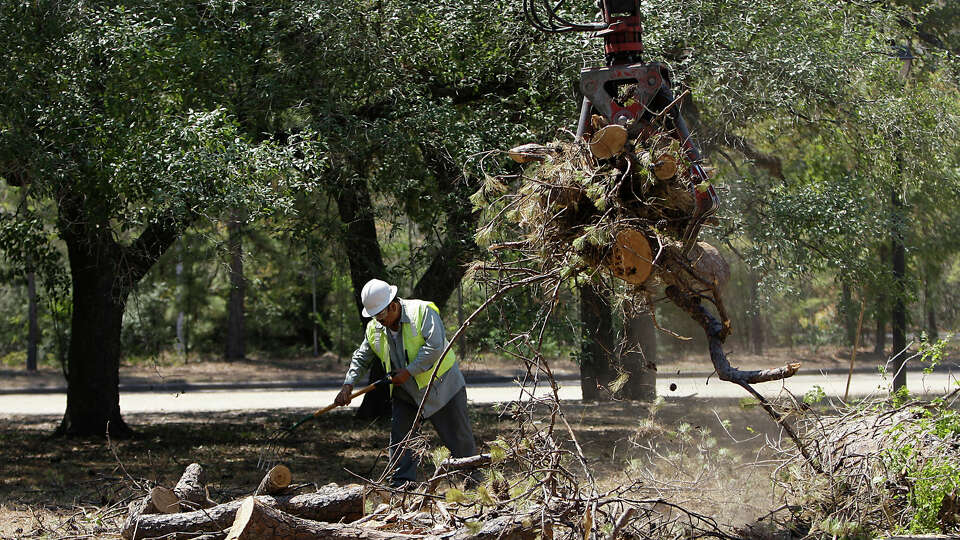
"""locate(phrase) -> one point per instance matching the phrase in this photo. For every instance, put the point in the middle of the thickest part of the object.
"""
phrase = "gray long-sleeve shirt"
(435, 340)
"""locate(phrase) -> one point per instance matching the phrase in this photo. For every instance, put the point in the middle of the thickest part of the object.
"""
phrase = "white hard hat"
(376, 296)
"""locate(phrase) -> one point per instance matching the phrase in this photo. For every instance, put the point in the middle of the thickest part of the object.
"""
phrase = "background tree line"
(222, 178)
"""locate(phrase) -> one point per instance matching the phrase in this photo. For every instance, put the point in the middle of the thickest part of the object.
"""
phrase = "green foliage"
(814, 395)
(930, 477)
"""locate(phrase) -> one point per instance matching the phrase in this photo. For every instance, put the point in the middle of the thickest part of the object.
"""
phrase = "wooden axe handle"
(332, 406)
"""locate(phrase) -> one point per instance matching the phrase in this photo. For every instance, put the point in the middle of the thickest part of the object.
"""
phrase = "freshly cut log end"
(632, 258)
(276, 480)
(165, 500)
(665, 167)
(608, 141)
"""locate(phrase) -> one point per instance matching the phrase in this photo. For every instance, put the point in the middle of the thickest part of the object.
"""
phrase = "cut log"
(276, 480)
(159, 497)
(192, 488)
(632, 258)
(331, 503)
(608, 141)
(665, 167)
(257, 521)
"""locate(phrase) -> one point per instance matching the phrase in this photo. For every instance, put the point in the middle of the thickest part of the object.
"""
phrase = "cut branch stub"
(665, 167)
(276, 480)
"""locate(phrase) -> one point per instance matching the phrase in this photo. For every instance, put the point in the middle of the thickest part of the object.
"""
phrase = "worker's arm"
(435, 340)
(359, 365)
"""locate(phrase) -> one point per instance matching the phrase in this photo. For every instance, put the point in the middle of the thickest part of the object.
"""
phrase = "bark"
(930, 305)
(328, 504)
(192, 488)
(597, 343)
(235, 348)
(880, 339)
(33, 328)
(848, 313)
(899, 311)
(502, 528)
(639, 358)
(103, 272)
(257, 521)
(756, 320)
(457, 248)
(93, 354)
(451, 465)
(360, 237)
(366, 262)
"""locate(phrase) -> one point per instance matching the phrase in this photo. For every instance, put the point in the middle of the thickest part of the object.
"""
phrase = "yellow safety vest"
(412, 341)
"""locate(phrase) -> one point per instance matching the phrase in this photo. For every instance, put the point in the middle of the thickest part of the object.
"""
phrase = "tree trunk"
(880, 340)
(93, 355)
(639, 358)
(181, 345)
(235, 347)
(457, 248)
(360, 237)
(597, 343)
(366, 262)
(899, 312)
(33, 328)
(192, 488)
(257, 521)
(848, 314)
(930, 304)
(103, 273)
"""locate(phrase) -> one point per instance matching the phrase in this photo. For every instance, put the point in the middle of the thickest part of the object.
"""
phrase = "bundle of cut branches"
(885, 469)
(628, 212)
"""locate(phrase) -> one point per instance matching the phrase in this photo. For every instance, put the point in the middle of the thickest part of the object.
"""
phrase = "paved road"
(863, 384)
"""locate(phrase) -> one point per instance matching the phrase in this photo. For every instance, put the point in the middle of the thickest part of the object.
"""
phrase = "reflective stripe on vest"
(412, 341)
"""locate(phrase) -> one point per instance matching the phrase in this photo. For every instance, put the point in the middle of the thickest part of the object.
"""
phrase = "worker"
(408, 337)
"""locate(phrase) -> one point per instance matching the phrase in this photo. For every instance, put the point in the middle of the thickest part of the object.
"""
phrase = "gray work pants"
(451, 422)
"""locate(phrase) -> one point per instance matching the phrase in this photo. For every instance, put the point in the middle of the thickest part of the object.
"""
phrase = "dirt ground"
(709, 455)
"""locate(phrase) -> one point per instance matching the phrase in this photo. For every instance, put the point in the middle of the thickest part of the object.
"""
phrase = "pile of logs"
(275, 511)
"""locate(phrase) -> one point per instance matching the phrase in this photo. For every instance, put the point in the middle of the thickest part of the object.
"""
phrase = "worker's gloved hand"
(343, 398)
(400, 377)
